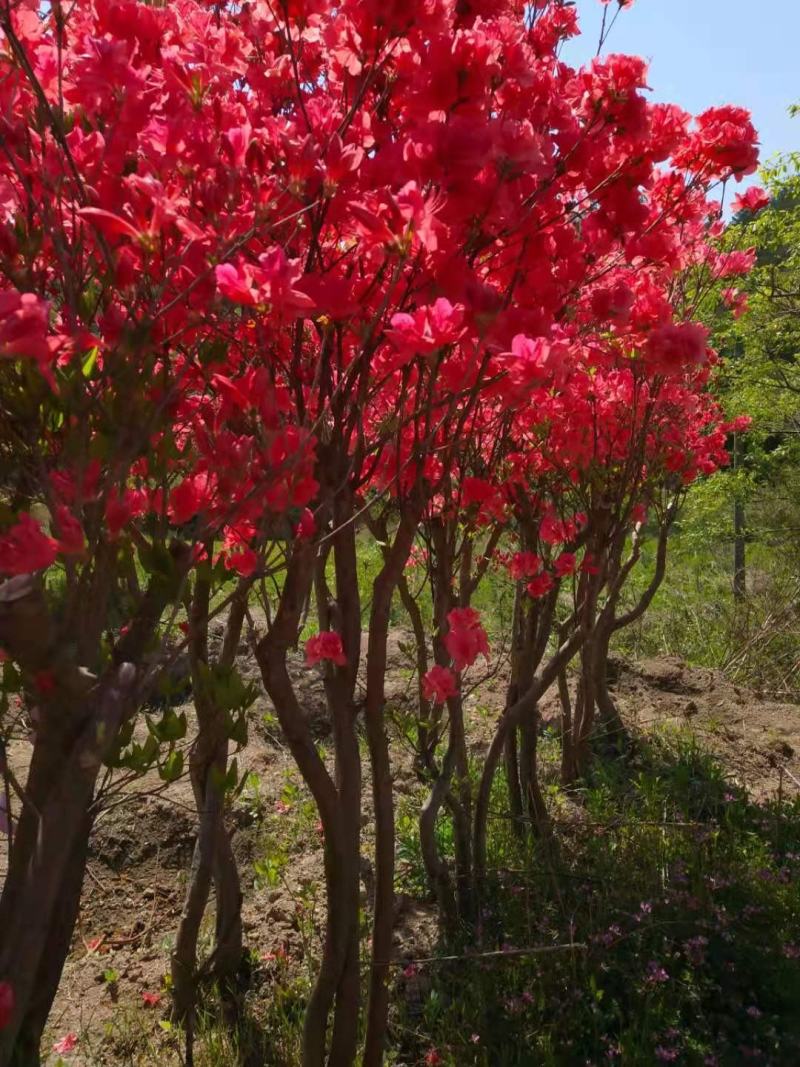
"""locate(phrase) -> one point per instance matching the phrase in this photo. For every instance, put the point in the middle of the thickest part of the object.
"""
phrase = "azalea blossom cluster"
(204, 173)
(269, 273)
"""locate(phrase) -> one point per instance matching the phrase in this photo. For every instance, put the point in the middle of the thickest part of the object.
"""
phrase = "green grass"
(681, 896)
(694, 615)
(687, 899)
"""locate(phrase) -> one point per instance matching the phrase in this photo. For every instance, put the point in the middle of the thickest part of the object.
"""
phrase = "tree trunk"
(228, 933)
(457, 797)
(340, 688)
(511, 760)
(435, 867)
(568, 770)
(535, 806)
(51, 966)
(184, 955)
(40, 898)
(383, 799)
(511, 754)
(510, 720)
(213, 858)
(459, 800)
(271, 653)
(613, 735)
(739, 527)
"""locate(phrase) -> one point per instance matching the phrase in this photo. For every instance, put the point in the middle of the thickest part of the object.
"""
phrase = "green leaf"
(171, 728)
(90, 362)
(172, 768)
(238, 731)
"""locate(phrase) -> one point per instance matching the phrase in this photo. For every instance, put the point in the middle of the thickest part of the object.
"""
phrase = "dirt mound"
(757, 740)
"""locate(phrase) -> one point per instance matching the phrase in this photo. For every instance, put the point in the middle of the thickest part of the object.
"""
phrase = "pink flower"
(277, 276)
(666, 1055)
(724, 142)
(731, 264)
(428, 329)
(614, 302)
(532, 361)
(672, 348)
(524, 565)
(70, 532)
(306, 527)
(120, 509)
(151, 1000)
(25, 548)
(66, 1044)
(540, 585)
(439, 684)
(466, 638)
(564, 564)
(325, 646)
(243, 561)
(754, 200)
(735, 300)
(554, 530)
(188, 498)
(23, 326)
(656, 973)
(235, 284)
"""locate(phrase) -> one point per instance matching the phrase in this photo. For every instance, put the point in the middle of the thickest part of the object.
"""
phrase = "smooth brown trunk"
(567, 746)
(184, 954)
(43, 884)
(511, 760)
(271, 653)
(340, 689)
(383, 798)
(59, 938)
(613, 735)
(511, 752)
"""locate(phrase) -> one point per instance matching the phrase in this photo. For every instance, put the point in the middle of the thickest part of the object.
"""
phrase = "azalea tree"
(108, 250)
(272, 274)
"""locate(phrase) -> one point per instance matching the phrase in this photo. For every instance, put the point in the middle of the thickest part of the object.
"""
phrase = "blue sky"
(707, 52)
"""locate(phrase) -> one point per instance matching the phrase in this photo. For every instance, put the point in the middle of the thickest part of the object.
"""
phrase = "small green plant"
(681, 898)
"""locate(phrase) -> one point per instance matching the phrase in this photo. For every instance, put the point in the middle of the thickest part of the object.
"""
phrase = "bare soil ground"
(142, 845)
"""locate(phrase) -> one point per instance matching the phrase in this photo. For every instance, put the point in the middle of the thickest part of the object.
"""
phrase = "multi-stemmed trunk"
(542, 674)
(77, 723)
(338, 798)
(213, 860)
(594, 718)
(530, 636)
(511, 719)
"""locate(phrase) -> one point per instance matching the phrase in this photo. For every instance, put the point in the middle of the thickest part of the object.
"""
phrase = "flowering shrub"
(272, 274)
